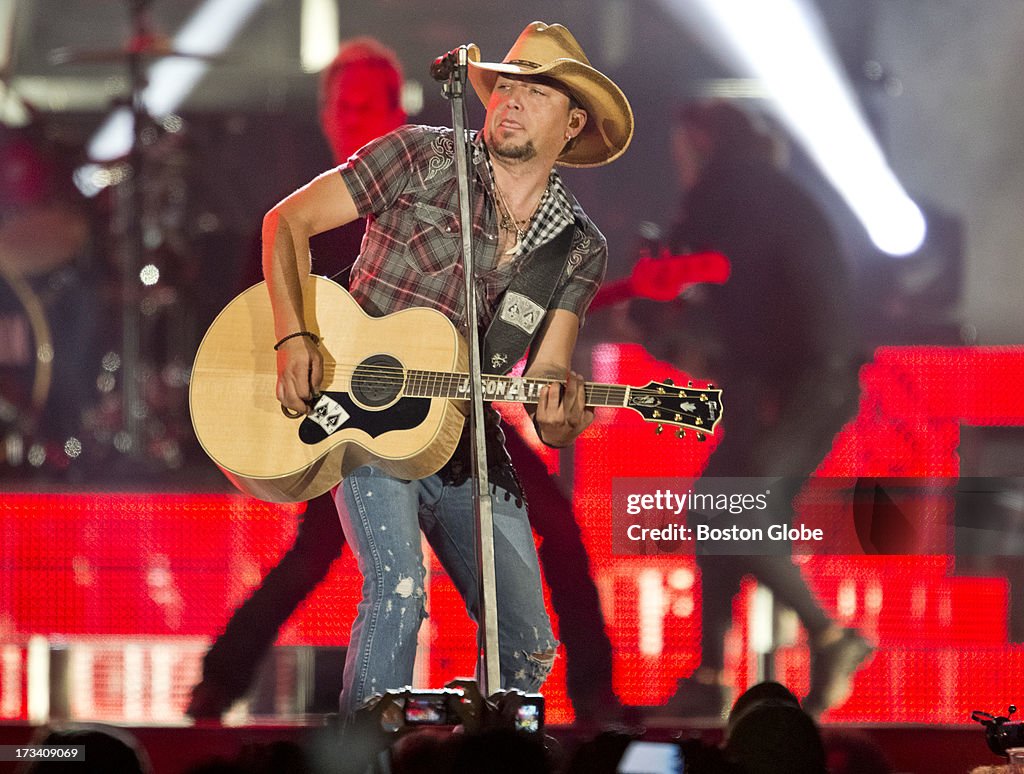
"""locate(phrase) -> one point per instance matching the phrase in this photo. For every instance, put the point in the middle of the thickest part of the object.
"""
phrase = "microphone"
(444, 65)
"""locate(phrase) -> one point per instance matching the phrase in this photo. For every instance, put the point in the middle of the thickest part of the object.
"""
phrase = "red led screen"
(99, 567)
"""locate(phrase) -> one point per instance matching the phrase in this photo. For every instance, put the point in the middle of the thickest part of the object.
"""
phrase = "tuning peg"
(659, 429)
(711, 386)
(669, 381)
(689, 384)
(701, 437)
(680, 433)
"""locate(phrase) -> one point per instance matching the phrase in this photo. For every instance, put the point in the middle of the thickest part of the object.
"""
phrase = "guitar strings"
(401, 375)
(364, 374)
(343, 368)
(440, 384)
(361, 375)
(599, 394)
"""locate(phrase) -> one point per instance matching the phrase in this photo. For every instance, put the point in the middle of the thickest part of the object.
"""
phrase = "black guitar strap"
(525, 303)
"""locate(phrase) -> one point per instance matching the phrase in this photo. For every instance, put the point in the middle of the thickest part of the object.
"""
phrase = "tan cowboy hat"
(552, 51)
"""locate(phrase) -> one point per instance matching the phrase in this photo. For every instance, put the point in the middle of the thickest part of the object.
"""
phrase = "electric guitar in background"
(394, 394)
(662, 276)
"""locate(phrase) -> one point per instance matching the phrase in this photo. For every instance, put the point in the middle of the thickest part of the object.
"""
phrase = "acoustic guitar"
(394, 394)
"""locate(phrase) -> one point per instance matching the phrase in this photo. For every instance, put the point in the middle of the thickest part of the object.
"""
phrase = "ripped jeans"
(382, 517)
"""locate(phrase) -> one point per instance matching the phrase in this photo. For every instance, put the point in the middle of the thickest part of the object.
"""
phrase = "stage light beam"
(320, 39)
(783, 44)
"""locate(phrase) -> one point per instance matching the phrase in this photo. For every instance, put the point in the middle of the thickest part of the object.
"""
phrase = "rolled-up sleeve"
(585, 273)
(378, 173)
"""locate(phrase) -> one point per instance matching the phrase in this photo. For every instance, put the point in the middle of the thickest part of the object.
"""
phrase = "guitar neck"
(663, 402)
(508, 389)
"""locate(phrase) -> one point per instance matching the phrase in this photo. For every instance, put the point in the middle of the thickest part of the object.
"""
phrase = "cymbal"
(148, 48)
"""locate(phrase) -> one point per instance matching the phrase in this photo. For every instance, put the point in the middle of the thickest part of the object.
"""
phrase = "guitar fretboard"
(512, 389)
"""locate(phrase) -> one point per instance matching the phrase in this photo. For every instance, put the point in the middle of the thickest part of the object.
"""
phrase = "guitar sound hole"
(377, 381)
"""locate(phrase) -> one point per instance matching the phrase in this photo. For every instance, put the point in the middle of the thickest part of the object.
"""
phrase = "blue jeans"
(382, 517)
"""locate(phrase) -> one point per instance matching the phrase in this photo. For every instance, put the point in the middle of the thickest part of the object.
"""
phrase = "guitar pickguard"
(337, 411)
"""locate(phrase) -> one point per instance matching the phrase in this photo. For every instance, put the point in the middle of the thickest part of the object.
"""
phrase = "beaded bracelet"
(310, 334)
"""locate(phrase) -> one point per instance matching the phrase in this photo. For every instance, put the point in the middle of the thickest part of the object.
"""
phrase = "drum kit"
(95, 351)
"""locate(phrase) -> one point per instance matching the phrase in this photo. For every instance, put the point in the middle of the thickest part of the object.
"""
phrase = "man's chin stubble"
(509, 152)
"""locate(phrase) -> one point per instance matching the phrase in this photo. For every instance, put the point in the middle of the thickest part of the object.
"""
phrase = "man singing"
(535, 249)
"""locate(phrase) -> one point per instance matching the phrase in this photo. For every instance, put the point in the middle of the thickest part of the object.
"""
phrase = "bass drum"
(48, 366)
(26, 355)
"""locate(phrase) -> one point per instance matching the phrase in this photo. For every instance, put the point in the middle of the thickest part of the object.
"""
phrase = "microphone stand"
(453, 67)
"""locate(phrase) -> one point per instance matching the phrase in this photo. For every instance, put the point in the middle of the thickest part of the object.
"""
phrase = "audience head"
(500, 751)
(108, 750)
(424, 751)
(768, 733)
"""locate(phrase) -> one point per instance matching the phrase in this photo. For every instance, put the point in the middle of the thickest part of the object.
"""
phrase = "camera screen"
(651, 758)
(528, 718)
(424, 711)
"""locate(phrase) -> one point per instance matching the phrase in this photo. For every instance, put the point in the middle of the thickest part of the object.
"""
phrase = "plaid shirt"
(405, 185)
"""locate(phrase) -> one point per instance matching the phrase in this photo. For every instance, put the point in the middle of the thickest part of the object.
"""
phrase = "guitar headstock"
(688, 407)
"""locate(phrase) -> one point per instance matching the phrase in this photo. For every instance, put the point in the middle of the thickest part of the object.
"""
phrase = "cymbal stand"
(130, 213)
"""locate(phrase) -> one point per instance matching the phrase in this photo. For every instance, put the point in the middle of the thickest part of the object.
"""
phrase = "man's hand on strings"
(562, 412)
(300, 371)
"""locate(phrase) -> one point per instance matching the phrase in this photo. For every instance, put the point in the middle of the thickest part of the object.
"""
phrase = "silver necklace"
(509, 224)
